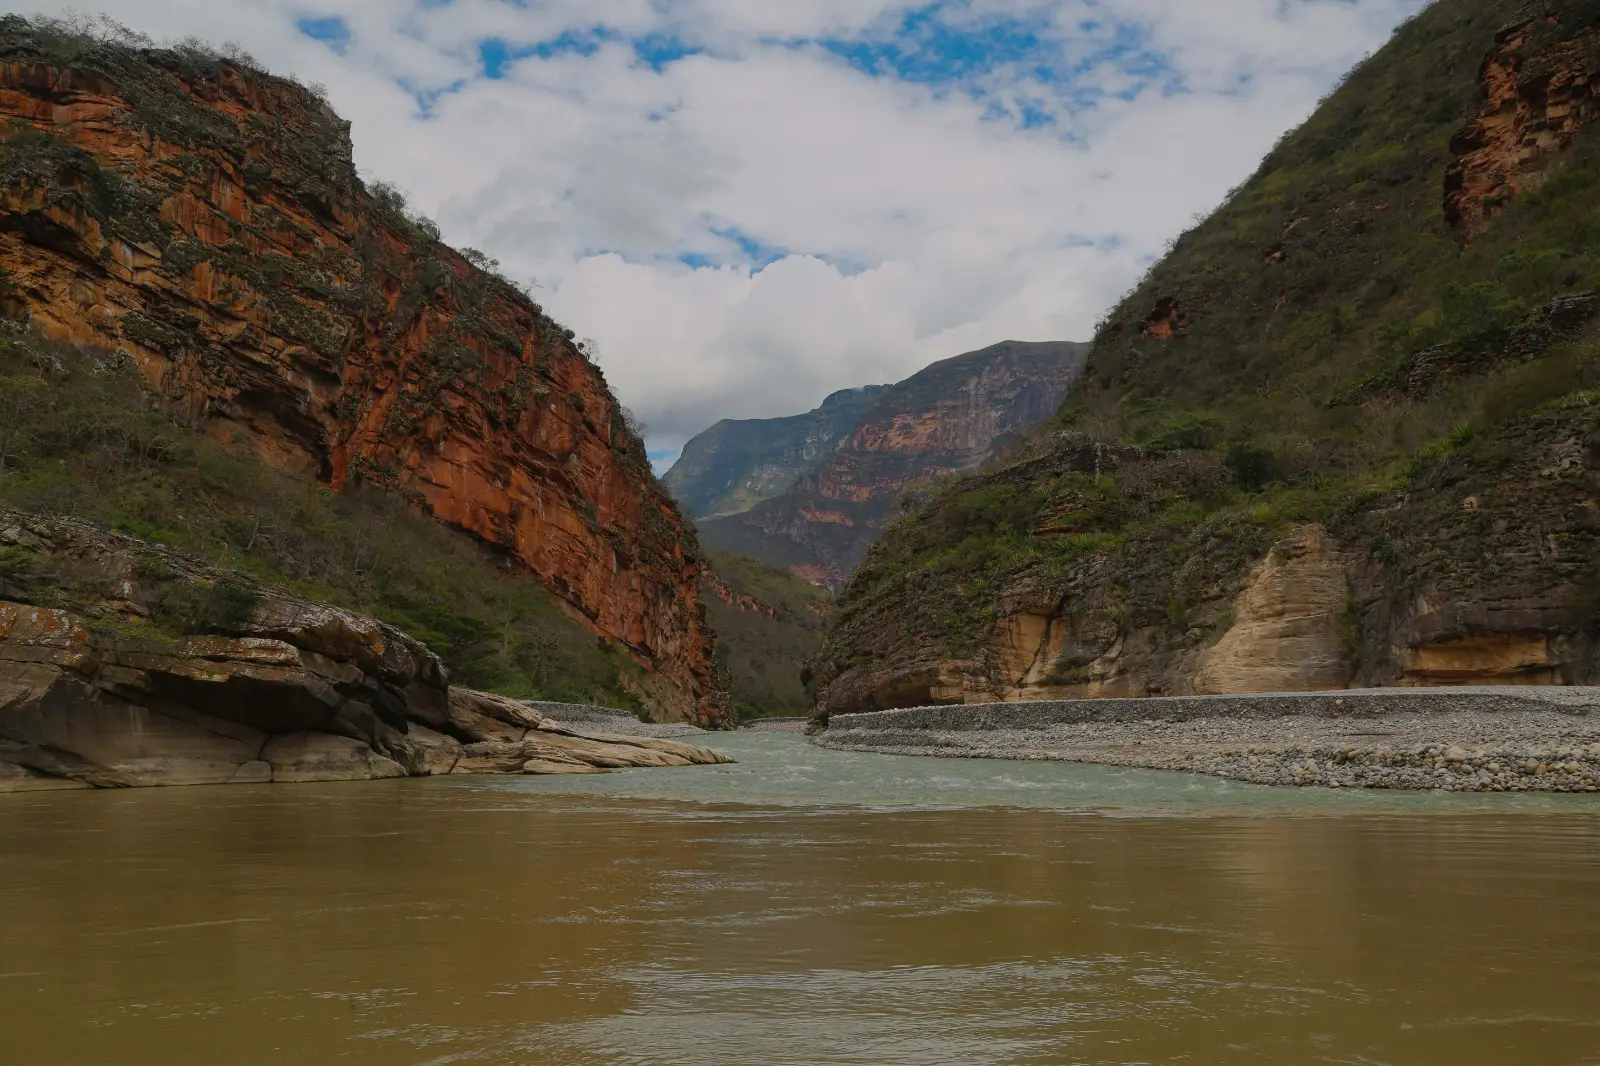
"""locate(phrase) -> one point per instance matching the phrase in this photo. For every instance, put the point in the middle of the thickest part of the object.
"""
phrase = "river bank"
(1458, 740)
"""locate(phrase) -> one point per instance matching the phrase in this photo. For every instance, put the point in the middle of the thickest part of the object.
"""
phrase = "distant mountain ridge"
(947, 418)
(738, 463)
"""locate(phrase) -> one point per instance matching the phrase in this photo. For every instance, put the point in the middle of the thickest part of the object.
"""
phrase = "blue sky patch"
(332, 31)
(656, 51)
(928, 50)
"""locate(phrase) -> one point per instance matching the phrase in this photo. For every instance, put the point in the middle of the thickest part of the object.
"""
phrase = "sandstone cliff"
(207, 219)
(125, 664)
(948, 418)
(1343, 435)
(738, 463)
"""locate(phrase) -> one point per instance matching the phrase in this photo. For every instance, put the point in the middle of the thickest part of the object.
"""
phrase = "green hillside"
(765, 638)
(1382, 332)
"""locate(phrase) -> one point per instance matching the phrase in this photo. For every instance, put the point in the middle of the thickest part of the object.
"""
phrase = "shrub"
(1252, 466)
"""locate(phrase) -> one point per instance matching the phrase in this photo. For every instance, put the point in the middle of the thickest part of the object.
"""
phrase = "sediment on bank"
(1458, 740)
(591, 720)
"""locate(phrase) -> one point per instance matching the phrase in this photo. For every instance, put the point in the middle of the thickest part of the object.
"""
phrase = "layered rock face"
(948, 418)
(207, 219)
(94, 695)
(1342, 436)
(739, 463)
(1478, 575)
(1538, 92)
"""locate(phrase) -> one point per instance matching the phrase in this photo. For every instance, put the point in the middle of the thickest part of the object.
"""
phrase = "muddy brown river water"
(804, 906)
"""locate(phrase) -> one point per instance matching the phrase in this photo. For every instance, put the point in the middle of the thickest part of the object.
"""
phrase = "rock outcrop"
(1478, 574)
(101, 687)
(739, 463)
(1286, 634)
(207, 219)
(1539, 91)
(946, 419)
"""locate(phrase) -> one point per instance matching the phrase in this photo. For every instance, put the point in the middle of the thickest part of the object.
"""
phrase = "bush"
(1252, 466)
(225, 606)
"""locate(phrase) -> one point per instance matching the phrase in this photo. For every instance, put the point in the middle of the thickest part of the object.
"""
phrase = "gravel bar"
(586, 719)
(1458, 740)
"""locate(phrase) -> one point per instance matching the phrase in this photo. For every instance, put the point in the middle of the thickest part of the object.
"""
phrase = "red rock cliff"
(207, 219)
(1538, 85)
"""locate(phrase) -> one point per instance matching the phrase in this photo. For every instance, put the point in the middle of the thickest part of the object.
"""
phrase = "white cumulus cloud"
(750, 205)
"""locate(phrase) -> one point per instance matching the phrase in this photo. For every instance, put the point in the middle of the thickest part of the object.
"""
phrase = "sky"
(749, 204)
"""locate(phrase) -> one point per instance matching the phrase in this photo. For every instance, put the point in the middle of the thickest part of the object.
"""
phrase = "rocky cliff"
(948, 418)
(206, 218)
(738, 463)
(126, 664)
(1343, 435)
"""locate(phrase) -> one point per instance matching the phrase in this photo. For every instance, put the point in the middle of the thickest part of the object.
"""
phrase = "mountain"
(948, 418)
(1344, 434)
(206, 219)
(738, 463)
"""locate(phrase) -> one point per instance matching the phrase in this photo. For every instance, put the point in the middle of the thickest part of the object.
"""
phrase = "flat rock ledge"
(1456, 740)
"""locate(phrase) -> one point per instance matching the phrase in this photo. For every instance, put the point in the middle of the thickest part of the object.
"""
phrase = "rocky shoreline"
(265, 688)
(1456, 740)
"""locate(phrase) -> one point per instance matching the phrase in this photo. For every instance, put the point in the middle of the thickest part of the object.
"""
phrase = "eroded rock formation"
(1286, 634)
(96, 694)
(1477, 574)
(1538, 84)
(207, 219)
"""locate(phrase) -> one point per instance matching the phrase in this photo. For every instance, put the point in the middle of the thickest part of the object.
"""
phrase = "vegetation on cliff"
(1387, 331)
(80, 437)
(769, 624)
(739, 463)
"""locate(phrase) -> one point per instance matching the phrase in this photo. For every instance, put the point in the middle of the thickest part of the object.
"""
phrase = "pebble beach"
(1457, 740)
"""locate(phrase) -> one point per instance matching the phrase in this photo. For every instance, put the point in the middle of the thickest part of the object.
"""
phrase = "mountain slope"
(949, 417)
(206, 218)
(1340, 435)
(769, 625)
(738, 463)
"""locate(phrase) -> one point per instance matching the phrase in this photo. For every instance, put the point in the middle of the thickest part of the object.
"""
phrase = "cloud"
(750, 205)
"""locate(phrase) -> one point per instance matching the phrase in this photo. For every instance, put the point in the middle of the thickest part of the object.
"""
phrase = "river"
(803, 906)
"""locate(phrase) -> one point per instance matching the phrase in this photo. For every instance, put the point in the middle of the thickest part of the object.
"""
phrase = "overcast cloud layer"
(751, 203)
